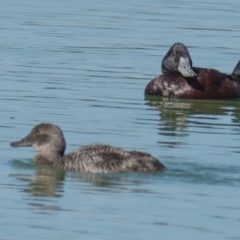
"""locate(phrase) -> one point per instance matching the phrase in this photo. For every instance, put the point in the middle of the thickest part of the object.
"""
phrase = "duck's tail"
(236, 70)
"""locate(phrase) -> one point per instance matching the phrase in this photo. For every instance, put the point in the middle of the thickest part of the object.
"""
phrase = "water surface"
(84, 66)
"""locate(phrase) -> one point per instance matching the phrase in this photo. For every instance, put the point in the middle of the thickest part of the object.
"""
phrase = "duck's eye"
(37, 130)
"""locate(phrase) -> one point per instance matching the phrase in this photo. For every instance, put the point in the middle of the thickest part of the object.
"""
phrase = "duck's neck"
(48, 158)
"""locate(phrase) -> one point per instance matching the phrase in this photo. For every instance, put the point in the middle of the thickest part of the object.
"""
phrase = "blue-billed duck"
(50, 144)
(179, 79)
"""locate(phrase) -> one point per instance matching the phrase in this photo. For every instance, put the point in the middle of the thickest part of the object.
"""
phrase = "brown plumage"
(49, 141)
(180, 79)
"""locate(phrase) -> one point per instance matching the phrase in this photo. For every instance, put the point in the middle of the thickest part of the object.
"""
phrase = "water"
(84, 66)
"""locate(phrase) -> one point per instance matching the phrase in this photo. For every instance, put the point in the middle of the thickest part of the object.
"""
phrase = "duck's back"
(98, 158)
(141, 162)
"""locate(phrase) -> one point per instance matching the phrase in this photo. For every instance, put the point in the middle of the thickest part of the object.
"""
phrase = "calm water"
(83, 65)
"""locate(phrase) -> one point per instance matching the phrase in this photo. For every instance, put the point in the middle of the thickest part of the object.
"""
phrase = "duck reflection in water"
(179, 79)
(50, 182)
(176, 114)
(47, 182)
(49, 141)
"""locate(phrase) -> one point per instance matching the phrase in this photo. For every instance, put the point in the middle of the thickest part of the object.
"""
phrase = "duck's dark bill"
(184, 67)
(21, 143)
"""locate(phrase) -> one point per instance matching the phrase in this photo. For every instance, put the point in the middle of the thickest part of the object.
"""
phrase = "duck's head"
(46, 138)
(178, 59)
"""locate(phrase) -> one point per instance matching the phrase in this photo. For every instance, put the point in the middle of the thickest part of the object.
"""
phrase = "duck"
(49, 141)
(179, 79)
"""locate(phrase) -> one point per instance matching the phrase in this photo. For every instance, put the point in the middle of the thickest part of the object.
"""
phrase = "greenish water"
(84, 66)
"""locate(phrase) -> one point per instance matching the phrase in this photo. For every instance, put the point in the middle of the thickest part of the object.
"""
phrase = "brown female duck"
(180, 79)
(49, 141)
